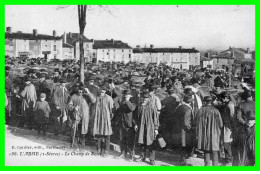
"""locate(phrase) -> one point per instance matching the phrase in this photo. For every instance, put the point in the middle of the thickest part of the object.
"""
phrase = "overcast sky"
(202, 27)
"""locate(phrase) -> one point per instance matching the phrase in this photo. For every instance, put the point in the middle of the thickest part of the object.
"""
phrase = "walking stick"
(133, 153)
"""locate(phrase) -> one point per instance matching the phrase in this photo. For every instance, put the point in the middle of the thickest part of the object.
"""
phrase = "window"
(103, 50)
(55, 57)
(114, 50)
(122, 50)
(129, 55)
(54, 48)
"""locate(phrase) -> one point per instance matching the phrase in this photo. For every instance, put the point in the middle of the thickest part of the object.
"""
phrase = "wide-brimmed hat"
(91, 77)
(188, 99)
(145, 94)
(247, 94)
(188, 91)
(207, 98)
(27, 79)
(62, 80)
(171, 89)
(250, 115)
(42, 75)
(127, 92)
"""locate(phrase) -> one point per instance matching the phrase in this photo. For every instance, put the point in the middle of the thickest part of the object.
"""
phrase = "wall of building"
(48, 46)
(10, 47)
(34, 48)
(206, 63)
(219, 62)
(88, 50)
(21, 46)
(114, 55)
(68, 53)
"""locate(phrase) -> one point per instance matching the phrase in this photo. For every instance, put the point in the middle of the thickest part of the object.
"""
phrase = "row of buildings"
(66, 46)
(226, 58)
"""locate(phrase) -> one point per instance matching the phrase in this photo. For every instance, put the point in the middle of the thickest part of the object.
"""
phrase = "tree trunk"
(82, 24)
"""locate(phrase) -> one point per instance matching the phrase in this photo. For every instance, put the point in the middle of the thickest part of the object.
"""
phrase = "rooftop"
(66, 45)
(72, 38)
(164, 50)
(105, 44)
(30, 36)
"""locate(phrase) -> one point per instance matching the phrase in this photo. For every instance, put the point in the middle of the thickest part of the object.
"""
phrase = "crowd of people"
(194, 111)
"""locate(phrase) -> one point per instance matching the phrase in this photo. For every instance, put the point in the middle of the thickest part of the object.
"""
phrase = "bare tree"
(82, 13)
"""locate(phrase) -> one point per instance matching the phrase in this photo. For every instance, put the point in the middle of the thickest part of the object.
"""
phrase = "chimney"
(230, 47)
(65, 37)
(9, 30)
(151, 46)
(54, 33)
(19, 31)
(193, 48)
(35, 32)
(180, 47)
(93, 41)
(248, 50)
(112, 40)
(70, 35)
(137, 46)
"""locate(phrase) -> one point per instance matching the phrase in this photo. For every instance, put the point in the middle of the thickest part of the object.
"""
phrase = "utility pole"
(82, 23)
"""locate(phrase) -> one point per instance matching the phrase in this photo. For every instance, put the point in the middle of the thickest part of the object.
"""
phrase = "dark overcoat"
(209, 124)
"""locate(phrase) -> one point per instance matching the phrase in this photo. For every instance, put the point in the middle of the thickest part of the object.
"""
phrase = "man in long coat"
(227, 115)
(102, 121)
(209, 124)
(148, 124)
(9, 90)
(127, 124)
(79, 104)
(244, 133)
(29, 100)
(93, 89)
(182, 128)
(60, 97)
(43, 87)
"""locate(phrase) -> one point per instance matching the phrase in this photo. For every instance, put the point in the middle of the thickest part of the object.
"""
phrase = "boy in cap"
(42, 110)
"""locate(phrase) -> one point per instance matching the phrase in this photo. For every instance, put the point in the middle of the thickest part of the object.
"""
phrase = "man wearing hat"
(43, 87)
(29, 100)
(148, 125)
(102, 128)
(93, 89)
(9, 88)
(227, 114)
(209, 125)
(245, 129)
(127, 124)
(79, 105)
(56, 76)
(60, 96)
(244, 146)
(248, 105)
(155, 101)
(182, 127)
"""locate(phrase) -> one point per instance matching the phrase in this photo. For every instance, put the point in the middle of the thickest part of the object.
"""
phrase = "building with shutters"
(32, 45)
(179, 58)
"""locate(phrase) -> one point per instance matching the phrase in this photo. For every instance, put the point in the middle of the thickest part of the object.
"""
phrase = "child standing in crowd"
(42, 110)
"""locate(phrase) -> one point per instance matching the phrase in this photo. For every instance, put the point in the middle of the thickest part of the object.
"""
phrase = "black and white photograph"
(130, 85)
